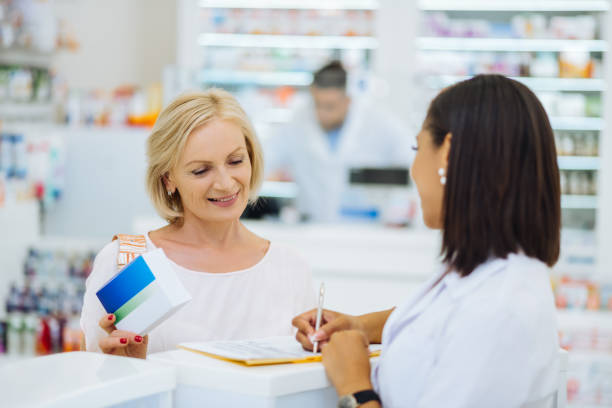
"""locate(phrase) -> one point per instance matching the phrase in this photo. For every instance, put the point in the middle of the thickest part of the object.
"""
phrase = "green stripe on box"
(138, 299)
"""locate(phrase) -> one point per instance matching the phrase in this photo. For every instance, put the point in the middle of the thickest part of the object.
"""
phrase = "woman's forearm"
(373, 324)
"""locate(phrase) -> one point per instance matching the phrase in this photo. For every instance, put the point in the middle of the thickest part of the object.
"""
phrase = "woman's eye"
(199, 172)
(236, 162)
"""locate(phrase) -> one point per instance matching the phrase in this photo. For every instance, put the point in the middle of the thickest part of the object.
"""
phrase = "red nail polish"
(123, 340)
(110, 317)
(138, 339)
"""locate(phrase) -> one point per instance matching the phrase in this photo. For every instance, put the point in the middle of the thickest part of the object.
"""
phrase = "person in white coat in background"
(326, 138)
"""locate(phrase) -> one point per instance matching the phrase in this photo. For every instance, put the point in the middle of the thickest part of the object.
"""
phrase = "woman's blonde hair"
(167, 140)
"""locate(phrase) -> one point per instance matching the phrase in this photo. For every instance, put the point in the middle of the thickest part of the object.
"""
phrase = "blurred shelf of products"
(37, 106)
(31, 166)
(31, 156)
(554, 47)
(41, 288)
(293, 4)
(265, 52)
(31, 91)
(516, 5)
(43, 304)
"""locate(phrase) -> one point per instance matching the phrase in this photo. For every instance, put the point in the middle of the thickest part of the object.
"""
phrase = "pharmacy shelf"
(582, 405)
(261, 78)
(535, 83)
(516, 5)
(273, 116)
(278, 189)
(277, 115)
(578, 162)
(293, 4)
(578, 201)
(577, 318)
(576, 123)
(576, 356)
(286, 41)
(508, 44)
(577, 258)
(289, 190)
(283, 115)
(577, 265)
(26, 58)
(14, 110)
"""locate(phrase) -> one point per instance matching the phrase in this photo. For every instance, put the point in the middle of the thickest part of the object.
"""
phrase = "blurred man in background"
(330, 136)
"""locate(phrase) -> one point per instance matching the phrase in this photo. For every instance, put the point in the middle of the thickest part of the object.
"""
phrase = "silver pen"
(319, 313)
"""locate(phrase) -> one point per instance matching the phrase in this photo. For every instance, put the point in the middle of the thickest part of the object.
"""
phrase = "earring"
(442, 177)
(169, 193)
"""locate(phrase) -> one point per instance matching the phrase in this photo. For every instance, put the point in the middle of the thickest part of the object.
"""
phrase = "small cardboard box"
(144, 293)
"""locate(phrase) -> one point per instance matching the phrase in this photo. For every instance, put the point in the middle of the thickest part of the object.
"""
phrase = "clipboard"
(260, 352)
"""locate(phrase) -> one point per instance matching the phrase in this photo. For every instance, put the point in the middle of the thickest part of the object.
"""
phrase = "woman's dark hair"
(502, 193)
(332, 75)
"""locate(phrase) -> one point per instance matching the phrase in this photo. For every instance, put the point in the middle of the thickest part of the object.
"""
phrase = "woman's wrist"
(355, 386)
(372, 324)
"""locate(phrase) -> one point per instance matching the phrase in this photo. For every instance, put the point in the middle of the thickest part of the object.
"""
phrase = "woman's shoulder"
(526, 276)
(516, 273)
(291, 267)
(517, 288)
(280, 252)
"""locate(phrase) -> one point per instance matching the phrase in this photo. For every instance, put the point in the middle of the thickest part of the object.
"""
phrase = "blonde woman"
(204, 166)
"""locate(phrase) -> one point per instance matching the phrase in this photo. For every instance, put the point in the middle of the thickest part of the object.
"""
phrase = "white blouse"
(256, 302)
(487, 340)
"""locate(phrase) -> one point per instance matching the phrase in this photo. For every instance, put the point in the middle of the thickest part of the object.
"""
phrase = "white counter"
(81, 379)
(208, 382)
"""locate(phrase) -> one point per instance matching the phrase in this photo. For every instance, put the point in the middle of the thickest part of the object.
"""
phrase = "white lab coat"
(487, 340)
(369, 137)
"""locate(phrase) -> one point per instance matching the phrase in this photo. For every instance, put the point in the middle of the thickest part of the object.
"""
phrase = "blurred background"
(82, 82)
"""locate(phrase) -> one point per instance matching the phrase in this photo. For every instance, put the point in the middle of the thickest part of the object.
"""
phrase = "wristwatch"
(358, 398)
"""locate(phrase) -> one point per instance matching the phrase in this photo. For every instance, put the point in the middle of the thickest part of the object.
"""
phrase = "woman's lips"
(226, 201)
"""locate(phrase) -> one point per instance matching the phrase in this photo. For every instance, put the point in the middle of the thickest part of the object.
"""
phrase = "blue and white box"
(144, 293)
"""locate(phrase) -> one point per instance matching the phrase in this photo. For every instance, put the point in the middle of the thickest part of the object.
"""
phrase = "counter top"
(268, 381)
(82, 379)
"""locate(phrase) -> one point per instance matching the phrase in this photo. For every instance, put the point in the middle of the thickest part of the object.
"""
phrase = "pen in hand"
(319, 313)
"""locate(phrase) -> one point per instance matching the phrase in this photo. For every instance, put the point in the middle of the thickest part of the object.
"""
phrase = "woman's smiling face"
(213, 173)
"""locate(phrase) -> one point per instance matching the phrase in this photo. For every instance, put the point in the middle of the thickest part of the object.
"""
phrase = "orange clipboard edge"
(262, 362)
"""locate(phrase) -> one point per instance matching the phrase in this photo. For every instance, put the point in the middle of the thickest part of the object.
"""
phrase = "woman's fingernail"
(123, 340)
(110, 317)
(319, 335)
(138, 339)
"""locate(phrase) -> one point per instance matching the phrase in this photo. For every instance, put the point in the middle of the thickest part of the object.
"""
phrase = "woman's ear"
(445, 150)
